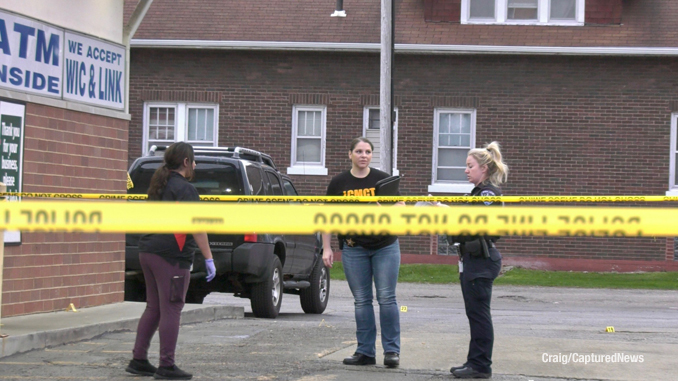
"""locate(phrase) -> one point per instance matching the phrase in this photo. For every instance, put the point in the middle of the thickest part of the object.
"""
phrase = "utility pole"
(386, 117)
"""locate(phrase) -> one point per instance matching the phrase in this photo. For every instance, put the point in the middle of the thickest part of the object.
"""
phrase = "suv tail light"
(251, 237)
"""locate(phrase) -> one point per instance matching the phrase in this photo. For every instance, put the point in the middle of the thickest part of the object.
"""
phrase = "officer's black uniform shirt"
(178, 247)
(477, 266)
(345, 184)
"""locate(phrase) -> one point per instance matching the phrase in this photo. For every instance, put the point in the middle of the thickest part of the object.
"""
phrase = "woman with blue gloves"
(166, 260)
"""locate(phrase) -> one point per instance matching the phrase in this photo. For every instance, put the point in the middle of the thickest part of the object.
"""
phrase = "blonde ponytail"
(490, 155)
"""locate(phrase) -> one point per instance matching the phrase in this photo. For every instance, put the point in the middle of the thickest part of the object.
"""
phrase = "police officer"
(480, 263)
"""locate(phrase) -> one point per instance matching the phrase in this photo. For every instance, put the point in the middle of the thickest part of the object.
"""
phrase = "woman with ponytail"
(166, 260)
(480, 263)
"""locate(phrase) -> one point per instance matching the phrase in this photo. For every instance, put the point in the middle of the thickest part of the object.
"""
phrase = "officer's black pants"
(477, 295)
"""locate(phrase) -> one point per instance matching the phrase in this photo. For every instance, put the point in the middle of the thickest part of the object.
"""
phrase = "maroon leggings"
(160, 313)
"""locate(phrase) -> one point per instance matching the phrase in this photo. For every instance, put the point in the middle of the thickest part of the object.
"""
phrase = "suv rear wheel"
(195, 296)
(314, 298)
(267, 296)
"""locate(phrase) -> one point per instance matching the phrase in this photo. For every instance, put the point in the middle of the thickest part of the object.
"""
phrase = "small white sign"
(94, 71)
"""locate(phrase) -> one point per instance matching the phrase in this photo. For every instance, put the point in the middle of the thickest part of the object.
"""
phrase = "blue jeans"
(360, 266)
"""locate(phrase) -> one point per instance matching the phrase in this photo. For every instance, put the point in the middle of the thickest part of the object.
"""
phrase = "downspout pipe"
(393, 114)
(339, 10)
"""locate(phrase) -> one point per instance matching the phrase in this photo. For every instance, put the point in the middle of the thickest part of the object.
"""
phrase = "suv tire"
(195, 296)
(267, 296)
(314, 298)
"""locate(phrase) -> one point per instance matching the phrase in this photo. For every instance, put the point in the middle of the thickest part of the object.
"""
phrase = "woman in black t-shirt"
(365, 258)
(166, 260)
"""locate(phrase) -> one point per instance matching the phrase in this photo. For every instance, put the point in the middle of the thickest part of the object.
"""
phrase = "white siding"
(374, 137)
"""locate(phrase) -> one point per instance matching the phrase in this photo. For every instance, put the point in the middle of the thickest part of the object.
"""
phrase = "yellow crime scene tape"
(357, 199)
(240, 218)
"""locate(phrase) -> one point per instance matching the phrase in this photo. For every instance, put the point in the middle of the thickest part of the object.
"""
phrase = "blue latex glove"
(211, 270)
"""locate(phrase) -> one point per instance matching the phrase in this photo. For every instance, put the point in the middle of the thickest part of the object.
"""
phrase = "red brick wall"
(442, 10)
(68, 151)
(603, 12)
(568, 125)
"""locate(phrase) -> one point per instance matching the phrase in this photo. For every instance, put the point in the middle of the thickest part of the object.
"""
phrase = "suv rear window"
(210, 179)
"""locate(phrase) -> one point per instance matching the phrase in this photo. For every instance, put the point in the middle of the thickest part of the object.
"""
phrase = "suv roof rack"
(235, 152)
(238, 153)
(154, 150)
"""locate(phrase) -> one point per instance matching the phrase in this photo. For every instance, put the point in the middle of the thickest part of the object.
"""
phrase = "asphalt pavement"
(540, 334)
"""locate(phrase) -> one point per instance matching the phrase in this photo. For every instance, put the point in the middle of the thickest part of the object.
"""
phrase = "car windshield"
(209, 179)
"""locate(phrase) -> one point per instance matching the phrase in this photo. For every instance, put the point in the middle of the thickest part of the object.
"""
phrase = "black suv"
(256, 266)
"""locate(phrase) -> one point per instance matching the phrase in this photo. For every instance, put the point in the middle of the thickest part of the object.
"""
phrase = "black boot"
(468, 372)
(391, 359)
(141, 367)
(360, 359)
(171, 373)
(457, 368)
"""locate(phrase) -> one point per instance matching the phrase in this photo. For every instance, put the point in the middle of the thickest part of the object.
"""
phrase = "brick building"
(63, 131)
(580, 93)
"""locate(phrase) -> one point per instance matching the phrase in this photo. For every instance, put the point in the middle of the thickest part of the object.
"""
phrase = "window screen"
(522, 10)
(454, 142)
(482, 9)
(563, 9)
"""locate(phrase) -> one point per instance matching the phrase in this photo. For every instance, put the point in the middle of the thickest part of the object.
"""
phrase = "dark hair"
(174, 158)
(361, 139)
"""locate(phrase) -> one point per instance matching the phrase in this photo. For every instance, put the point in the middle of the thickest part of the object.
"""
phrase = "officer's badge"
(488, 193)
(350, 242)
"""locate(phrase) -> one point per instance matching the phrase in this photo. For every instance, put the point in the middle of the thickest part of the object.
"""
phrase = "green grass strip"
(650, 281)
(446, 274)
(413, 273)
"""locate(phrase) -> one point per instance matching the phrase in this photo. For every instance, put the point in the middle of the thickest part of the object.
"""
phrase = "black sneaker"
(141, 367)
(468, 372)
(171, 373)
(391, 359)
(457, 368)
(360, 359)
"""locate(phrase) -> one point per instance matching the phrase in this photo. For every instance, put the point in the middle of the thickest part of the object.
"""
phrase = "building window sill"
(310, 171)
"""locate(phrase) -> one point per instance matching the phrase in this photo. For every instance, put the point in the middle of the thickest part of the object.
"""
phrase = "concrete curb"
(27, 333)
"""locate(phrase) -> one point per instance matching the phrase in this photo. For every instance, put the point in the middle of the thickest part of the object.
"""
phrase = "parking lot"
(535, 328)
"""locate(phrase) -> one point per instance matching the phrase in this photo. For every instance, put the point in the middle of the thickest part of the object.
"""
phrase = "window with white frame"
(308, 141)
(454, 136)
(166, 123)
(372, 131)
(673, 166)
(545, 12)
